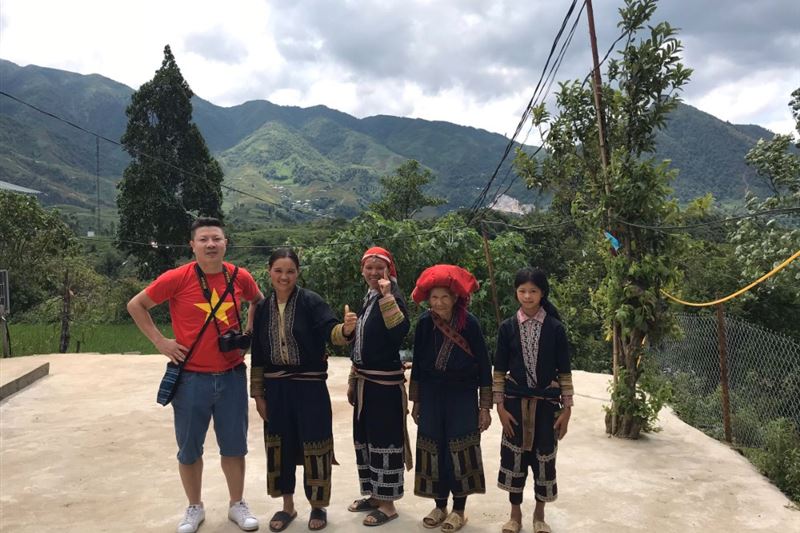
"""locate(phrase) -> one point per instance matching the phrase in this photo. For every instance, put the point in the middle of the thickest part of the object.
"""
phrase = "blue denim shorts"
(201, 396)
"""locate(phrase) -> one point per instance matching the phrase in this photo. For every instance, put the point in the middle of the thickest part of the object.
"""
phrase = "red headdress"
(384, 254)
(454, 278)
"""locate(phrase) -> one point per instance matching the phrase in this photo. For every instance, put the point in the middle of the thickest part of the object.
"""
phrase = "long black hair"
(538, 278)
(281, 253)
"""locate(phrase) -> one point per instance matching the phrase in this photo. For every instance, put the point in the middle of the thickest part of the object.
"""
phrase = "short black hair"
(202, 222)
(281, 253)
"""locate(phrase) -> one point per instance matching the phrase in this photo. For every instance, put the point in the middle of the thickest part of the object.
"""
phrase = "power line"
(525, 114)
(784, 211)
(159, 160)
(154, 244)
(586, 79)
(551, 76)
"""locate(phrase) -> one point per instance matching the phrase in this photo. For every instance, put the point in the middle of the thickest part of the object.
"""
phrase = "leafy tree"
(332, 268)
(641, 89)
(172, 175)
(34, 244)
(402, 192)
(762, 244)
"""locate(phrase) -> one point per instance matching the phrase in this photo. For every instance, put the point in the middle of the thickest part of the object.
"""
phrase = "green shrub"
(779, 459)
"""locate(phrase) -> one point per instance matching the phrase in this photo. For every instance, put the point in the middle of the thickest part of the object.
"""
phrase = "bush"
(779, 460)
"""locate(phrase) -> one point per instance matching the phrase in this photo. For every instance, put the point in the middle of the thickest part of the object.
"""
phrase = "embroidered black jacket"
(309, 321)
(456, 368)
(383, 332)
(553, 358)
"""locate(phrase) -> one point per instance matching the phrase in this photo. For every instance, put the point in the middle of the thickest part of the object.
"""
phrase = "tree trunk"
(627, 425)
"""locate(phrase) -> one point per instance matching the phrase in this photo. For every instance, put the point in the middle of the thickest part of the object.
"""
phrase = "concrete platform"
(16, 375)
(87, 449)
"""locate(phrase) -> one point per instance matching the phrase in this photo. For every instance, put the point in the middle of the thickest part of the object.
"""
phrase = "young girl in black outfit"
(532, 388)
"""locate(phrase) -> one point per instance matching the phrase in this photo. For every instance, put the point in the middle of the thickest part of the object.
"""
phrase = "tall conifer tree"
(172, 176)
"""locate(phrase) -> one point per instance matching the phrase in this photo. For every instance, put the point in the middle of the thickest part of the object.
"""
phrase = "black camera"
(233, 340)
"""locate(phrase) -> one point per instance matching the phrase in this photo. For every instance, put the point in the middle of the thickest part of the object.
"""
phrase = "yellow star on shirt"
(223, 307)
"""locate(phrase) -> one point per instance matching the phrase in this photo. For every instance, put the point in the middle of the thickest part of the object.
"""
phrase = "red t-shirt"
(189, 309)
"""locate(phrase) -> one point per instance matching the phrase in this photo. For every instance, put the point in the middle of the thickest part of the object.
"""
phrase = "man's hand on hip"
(170, 347)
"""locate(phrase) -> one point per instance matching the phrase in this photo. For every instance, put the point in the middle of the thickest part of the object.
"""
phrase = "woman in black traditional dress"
(451, 389)
(287, 380)
(376, 389)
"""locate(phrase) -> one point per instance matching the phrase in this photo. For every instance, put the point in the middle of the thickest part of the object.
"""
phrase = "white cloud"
(471, 62)
(762, 101)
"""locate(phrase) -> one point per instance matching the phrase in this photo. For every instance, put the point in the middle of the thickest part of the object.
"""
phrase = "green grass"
(29, 339)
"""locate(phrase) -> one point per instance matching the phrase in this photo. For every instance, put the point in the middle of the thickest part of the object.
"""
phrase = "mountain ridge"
(315, 156)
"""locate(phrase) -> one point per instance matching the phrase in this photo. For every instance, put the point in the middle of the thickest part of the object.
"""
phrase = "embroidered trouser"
(448, 443)
(379, 441)
(299, 431)
(515, 461)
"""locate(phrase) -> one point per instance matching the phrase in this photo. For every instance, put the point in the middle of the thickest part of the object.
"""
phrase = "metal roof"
(4, 185)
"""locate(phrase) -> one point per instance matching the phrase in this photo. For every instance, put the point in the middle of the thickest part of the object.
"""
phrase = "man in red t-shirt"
(213, 382)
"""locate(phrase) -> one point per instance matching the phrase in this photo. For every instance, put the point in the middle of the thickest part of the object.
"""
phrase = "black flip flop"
(284, 518)
(318, 513)
(361, 506)
(380, 518)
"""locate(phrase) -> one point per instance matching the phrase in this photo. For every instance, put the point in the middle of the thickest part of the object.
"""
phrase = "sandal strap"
(455, 521)
(436, 517)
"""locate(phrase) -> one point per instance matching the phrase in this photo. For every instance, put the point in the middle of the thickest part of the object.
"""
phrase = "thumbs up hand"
(385, 285)
(350, 319)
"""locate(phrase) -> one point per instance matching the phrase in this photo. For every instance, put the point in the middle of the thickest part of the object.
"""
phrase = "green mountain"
(709, 155)
(313, 158)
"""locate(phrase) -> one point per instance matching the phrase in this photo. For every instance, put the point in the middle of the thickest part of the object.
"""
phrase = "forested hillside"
(316, 158)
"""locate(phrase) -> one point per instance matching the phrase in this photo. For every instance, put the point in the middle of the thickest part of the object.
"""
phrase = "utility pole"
(491, 273)
(97, 183)
(597, 85)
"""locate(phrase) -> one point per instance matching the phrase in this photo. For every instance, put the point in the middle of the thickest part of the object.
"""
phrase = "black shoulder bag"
(169, 383)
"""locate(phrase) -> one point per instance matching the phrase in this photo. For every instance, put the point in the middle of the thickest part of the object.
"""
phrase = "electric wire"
(141, 153)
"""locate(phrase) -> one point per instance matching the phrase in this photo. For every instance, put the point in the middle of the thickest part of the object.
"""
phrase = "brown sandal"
(378, 518)
(435, 518)
(361, 505)
(454, 522)
(512, 526)
(540, 526)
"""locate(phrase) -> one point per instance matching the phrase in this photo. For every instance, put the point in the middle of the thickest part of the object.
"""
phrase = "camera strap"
(214, 309)
(229, 279)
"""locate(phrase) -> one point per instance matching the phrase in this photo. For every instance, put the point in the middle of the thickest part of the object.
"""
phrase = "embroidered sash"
(283, 346)
(452, 337)
(358, 345)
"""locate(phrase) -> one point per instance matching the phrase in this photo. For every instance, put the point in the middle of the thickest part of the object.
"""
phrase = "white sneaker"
(195, 514)
(240, 513)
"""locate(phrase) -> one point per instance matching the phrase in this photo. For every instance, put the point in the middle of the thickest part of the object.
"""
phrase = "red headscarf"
(454, 278)
(458, 280)
(385, 255)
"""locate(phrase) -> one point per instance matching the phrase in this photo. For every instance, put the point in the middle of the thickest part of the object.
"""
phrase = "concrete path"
(87, 449)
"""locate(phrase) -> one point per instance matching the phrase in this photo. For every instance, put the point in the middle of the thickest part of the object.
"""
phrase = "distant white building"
(509, 204)
(5, 186)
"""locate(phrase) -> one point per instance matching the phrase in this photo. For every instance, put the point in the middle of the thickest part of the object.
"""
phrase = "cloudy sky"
(472, 62)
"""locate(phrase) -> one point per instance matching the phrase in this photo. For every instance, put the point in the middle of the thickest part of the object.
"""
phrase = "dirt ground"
(87, 449)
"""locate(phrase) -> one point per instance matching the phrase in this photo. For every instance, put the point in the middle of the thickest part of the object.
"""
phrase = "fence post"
(63, 345)
(491, 273)
(5, 335)
(723, 368)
